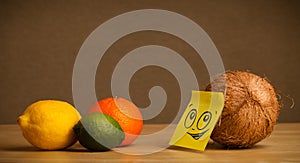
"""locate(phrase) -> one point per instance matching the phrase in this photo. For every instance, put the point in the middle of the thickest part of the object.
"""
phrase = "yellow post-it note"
(198, 120)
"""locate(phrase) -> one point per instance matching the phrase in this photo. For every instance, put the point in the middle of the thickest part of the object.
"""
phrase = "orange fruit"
(125, 113)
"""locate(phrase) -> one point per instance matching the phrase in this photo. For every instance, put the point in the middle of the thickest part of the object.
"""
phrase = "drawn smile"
(198, 135)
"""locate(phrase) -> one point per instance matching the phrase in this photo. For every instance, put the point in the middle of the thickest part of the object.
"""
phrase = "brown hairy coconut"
(251, 109)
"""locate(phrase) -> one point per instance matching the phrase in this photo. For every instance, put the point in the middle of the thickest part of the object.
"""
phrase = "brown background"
(39, 41)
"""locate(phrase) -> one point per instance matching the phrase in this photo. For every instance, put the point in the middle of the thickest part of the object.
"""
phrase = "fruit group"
(98, 132)
(47, 124)
(125, 113)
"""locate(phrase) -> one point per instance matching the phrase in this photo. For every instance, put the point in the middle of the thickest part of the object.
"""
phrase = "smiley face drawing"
(197, 122)
(197, 126)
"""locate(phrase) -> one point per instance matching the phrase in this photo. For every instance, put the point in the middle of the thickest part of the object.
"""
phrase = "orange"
(125, 113)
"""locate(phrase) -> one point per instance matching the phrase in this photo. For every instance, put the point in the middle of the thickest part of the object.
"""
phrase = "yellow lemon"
(47, 124)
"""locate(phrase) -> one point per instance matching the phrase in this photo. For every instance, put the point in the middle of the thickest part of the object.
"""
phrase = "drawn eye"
(204, 120)
(190, 118)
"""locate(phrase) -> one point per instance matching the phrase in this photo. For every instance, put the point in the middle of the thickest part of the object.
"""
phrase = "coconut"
(250, 111)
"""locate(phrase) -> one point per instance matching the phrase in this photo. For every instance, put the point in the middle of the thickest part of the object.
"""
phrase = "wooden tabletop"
(282, 146)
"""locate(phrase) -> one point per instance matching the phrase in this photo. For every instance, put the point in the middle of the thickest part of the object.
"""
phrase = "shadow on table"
(216, 146)
(78, 148)
(23, 149)
(75, 148)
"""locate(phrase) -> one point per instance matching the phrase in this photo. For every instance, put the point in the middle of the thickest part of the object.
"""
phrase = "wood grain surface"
(283, 145)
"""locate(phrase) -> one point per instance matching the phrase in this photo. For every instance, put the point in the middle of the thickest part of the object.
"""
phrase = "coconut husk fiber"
(250, 111)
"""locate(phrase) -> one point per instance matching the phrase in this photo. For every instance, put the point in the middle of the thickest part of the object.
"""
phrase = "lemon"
(47, 124)
(99, 132)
